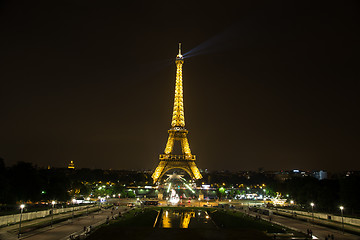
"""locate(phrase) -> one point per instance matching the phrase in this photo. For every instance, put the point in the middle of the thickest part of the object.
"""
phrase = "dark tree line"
(24, 181)
(233, 178)
(328, 194)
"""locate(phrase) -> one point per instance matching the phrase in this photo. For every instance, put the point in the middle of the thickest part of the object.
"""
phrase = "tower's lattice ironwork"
(177, 132)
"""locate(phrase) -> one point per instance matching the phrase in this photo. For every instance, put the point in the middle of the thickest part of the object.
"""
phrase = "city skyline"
(271, 86)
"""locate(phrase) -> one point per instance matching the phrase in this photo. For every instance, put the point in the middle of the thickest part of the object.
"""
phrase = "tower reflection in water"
(182, 219)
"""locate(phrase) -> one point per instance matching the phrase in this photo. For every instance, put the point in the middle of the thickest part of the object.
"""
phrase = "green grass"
(138, 224)
(128, 225)
(234, 219)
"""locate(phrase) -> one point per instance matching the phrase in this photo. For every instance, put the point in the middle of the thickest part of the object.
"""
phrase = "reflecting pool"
(185, 219)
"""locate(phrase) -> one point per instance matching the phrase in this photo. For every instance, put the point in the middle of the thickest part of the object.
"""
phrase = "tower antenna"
(179, 55)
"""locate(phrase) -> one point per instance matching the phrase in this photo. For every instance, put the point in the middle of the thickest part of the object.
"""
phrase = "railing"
(177, 157)
(324, 216)
(15, 218)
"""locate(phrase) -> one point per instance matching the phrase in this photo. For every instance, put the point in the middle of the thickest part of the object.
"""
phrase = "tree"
(25, 183)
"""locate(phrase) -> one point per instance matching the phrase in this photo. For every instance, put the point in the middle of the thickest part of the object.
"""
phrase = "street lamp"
(21, 212)
(73, 202)
(52, 212)
(312, 210)
(342, 217)
(292, 205)
(264, 197)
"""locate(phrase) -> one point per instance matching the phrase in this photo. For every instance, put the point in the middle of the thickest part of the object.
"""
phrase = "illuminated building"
(320, 175)
(71, 165)
(177, 133)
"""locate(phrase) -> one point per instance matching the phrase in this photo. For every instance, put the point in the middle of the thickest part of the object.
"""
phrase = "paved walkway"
(319, 232)
(333, 224)
(63, 230)
(46, 220)
(60, 230)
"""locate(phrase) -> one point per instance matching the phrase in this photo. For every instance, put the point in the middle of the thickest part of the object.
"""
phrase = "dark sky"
(274, 85)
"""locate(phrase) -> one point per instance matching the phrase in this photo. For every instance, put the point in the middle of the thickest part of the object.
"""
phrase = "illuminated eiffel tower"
(177, 133)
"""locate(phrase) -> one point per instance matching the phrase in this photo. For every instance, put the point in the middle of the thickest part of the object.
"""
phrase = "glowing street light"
(52, 212)
(73, 202)
(342, 217)
(264, 198)
(292, 203)
(22, 206)
(312, 210)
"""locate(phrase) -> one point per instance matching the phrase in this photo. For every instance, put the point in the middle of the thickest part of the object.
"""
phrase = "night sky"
(272, 85)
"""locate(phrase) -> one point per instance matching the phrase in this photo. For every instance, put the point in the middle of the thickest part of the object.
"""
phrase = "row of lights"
(22, 206)
(312, 213)
(313, 204)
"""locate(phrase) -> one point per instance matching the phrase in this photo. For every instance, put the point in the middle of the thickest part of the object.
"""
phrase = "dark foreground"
(139, 224)
(178, 234)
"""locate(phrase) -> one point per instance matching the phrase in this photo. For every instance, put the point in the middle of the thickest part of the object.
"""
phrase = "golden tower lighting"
(71, 165)
(177, 132)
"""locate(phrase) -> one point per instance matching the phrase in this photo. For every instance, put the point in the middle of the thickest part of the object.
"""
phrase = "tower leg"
(186, 165)
(159, 171)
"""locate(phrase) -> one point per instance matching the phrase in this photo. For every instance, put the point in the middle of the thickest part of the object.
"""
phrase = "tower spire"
(178, 118)
(179, 56)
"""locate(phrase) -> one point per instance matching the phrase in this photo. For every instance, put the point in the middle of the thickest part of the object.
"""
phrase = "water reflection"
(166, 220)
(185, 219)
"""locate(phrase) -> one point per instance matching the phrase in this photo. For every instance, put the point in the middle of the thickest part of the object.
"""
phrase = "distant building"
(285, 175)
(320, 175)
(282, 176)
(71, 165)
(300, 173)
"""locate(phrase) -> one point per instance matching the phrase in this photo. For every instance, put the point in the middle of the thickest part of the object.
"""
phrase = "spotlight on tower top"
(179, 56)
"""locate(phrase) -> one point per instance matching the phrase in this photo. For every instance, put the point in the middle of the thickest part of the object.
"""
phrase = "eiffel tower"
(177, 133)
